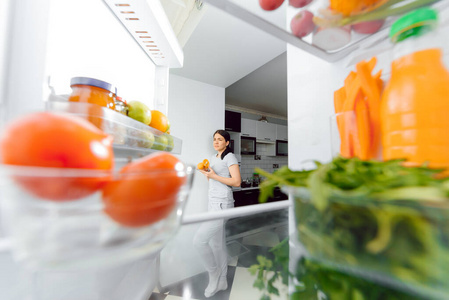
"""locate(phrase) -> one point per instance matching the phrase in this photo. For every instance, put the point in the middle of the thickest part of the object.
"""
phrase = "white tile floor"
(240, 290)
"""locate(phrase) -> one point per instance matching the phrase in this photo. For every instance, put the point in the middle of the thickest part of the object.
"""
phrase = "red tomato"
(270, 4)
(146, 190)
(57, 141)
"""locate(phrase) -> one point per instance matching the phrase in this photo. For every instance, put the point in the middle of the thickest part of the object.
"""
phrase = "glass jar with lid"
(94, 91)
(121, 106)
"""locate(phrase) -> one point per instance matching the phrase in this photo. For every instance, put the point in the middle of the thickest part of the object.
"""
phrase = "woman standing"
(210, 239)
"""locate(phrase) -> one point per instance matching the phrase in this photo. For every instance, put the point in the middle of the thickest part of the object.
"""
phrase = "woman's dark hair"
(227, 138)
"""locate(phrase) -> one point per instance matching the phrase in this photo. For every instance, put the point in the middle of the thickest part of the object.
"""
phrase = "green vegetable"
(381, 220)
(317, 279)
(269, 272)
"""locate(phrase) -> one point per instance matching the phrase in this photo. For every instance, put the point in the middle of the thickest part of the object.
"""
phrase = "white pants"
(210, 241)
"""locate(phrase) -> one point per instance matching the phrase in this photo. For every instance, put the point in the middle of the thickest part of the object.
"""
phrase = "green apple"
(170, 143)
(146, 139)
(139, 111)
(160, 142)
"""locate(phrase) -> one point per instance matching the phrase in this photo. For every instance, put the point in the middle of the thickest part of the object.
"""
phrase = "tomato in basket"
(145, 191)
(55, 141)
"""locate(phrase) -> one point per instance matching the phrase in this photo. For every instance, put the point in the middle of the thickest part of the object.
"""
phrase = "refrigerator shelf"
(398, 244)
(131, 138)
(148, 24)
(78, 219)
(359, 43)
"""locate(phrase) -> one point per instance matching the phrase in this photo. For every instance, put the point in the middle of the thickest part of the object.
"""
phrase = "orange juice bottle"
(415, 102)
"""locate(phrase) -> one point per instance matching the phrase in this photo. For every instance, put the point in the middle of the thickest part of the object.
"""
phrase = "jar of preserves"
(121, 106)
(94, 91)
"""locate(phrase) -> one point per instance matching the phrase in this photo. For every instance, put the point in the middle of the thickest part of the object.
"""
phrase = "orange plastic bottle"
(415, 102)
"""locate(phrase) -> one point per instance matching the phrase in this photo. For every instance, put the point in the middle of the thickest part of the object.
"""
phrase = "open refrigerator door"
(56, 242)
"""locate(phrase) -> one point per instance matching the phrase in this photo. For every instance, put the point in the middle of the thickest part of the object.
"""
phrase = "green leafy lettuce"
(381, 220)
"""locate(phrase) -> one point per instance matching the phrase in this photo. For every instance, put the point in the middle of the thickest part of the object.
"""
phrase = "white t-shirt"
(220, 192)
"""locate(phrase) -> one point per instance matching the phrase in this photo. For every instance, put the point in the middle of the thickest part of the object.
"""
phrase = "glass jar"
(121, 106)
(94, 91)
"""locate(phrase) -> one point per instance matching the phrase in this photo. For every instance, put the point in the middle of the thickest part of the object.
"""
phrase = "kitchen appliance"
(281, 148)
(248, 145)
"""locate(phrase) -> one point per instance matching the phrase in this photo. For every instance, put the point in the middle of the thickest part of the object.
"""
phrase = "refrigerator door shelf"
(148, 24)
(132, 139)
(252, 14)
(89, 222)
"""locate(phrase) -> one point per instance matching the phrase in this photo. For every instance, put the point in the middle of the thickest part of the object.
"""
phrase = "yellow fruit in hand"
(206, 164)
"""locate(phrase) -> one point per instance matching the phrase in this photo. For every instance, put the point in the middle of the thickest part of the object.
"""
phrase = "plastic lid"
(93, 82)
(414, 23)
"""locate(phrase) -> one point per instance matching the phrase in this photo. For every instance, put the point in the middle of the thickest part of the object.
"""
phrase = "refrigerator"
(45, 43)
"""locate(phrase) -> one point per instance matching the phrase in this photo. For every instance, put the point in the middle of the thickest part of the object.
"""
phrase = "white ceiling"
(251, 64)
(263, 90)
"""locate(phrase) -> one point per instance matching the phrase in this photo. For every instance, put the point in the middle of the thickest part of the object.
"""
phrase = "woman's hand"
(234, 180)
(209, 174)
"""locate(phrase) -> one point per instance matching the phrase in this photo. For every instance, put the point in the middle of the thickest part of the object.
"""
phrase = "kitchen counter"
(234, 189)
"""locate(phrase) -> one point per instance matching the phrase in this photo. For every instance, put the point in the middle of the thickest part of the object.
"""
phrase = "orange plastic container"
(415, 103)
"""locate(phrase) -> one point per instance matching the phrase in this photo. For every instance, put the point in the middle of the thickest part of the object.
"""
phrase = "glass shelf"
(252, 14)
(132, 139)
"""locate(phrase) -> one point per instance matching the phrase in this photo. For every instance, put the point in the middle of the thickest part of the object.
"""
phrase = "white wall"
(196, 110)
(311, 83)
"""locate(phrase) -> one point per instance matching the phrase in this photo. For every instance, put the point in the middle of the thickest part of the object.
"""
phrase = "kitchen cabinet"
(278, 195)
(248, 127)
(251, 196)
(233, 121)
(246, 197)
(265, 132)
(281, 132)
